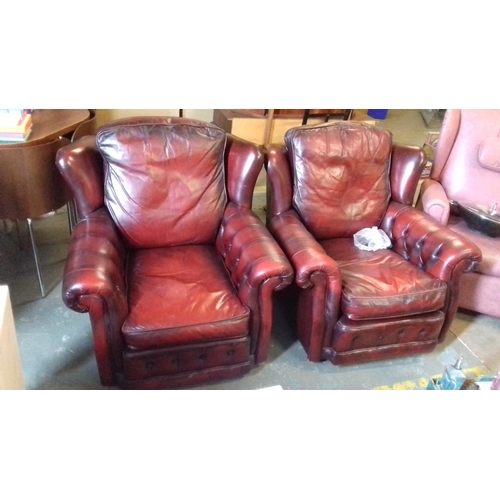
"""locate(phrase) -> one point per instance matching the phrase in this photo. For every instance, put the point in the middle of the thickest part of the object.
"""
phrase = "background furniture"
(50, 124)
(326, 184)
(432, 117)
(466, 169)
(30, 184)
(88, 127)
(11, 375)
(266, 126)
(175, 270)
(326, 114)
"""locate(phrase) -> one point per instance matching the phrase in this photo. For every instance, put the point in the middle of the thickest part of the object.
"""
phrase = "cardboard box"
(11, 376)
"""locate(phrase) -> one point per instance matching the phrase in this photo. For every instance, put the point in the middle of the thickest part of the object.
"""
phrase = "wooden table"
(49, 124)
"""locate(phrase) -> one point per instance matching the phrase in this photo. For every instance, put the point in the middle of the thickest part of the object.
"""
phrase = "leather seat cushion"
(180, 295)
(382, 284)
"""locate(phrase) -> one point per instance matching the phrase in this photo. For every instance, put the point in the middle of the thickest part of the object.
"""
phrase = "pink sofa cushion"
(489, 153)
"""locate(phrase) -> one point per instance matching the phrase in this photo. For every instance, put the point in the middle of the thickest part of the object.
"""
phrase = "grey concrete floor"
(56, 348)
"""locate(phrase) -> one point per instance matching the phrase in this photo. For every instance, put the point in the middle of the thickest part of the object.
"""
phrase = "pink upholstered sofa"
(466, 169)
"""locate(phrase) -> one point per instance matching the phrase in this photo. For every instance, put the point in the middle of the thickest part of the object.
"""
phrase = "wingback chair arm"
(81, 166)
(96, 261)
(407, 164)
(433, 201)
(304, 252)
(244, 162)
(279, 181)
(317, 273)
(94, 282)
(429, 244)
(249, 251)
(258, 267)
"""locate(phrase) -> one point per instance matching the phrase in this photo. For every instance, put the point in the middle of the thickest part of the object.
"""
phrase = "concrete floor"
(56, 346)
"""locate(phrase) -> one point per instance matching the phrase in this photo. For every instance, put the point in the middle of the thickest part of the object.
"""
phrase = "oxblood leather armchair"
(175, 270)
(466, 169)
(327, 183)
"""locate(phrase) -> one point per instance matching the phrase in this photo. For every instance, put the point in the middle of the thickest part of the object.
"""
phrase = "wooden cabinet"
(252, 124)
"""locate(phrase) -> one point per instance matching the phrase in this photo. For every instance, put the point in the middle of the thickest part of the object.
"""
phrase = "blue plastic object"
(379, 114)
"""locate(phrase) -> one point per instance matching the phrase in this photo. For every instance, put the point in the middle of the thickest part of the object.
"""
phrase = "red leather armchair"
(173, 267)
(330, 181)
(466, 169)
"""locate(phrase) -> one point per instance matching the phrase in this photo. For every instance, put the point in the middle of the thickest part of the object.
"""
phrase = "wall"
(107, 115)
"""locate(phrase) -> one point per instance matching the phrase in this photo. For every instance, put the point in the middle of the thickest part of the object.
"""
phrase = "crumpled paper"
(371, 239)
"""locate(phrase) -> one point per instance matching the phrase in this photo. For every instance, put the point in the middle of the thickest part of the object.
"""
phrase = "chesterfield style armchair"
(466, 169)
(328, 182)
(175, 270)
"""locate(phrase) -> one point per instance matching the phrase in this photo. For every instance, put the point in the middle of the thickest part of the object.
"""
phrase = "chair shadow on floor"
(284, 322)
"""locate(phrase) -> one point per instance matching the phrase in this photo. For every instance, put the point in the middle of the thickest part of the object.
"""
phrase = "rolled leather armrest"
(433, 201)
(429, 244)
(250, 252)
(305, 253)
(80, 164)
(95, 265)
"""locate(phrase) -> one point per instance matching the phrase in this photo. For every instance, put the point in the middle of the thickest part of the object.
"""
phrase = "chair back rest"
(88, 127)
(30, 183)
(340, 175)
(164, 179)
(467, 158)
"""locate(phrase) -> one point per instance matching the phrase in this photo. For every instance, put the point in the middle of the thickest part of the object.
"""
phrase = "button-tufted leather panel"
(353, 335)
(382, 284)
(340, 176)
(181, 295)
(164, 180)
(185, 359)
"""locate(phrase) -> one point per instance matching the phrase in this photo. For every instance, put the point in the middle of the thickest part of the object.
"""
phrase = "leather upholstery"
(341, 170)
(466, 168)
(175, 270)
(382, 284)
(169, 192)
(328, 182)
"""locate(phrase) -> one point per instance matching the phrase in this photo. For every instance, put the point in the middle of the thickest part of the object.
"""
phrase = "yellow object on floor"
(421, 383)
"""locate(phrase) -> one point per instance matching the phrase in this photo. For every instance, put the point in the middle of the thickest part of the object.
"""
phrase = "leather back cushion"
(164, 179)
(341, 176)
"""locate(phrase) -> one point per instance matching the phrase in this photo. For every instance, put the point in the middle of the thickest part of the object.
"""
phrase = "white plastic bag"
(371, 239)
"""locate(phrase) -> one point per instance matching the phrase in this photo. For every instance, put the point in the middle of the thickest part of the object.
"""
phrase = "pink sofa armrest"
(433, 201)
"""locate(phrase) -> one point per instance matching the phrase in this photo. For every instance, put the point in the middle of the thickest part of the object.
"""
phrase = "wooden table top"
(49, 124)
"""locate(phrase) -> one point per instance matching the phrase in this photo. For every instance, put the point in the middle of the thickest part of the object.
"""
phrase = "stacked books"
(15, 125)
